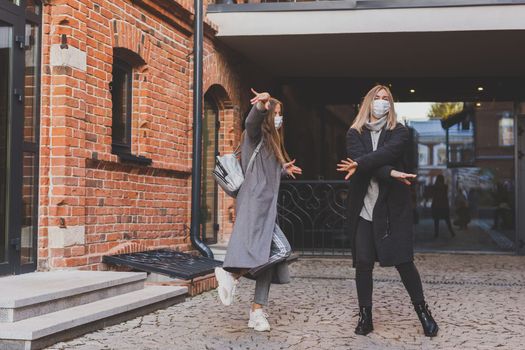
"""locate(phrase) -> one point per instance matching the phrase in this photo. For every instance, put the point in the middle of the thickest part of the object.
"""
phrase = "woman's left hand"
(291, 169)
(403, 177)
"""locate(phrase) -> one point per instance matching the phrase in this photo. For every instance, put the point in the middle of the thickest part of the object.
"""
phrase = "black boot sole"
(433, 334)
(368, 331)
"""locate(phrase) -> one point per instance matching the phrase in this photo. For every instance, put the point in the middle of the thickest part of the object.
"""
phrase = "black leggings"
(365, 259)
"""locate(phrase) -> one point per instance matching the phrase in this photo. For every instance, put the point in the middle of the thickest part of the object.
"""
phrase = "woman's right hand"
(347, 166)
(263, 98)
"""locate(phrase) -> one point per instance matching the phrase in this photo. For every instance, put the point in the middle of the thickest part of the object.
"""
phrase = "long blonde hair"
(366, 109)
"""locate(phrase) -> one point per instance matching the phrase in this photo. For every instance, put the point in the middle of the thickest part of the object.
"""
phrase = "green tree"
(442, 110)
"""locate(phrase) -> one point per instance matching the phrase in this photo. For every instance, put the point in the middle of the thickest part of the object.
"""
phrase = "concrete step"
(219, 251)
(48, 329)
(40, 293)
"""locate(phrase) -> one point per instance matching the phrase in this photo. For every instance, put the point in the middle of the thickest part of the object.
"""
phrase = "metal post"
(195, 231)
(519, 182)
(447, 147)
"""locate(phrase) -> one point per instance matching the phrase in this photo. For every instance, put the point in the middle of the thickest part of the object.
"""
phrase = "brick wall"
(90, 202)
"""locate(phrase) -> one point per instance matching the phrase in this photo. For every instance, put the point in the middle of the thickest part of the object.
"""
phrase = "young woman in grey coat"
(380, 210)
(258, 248)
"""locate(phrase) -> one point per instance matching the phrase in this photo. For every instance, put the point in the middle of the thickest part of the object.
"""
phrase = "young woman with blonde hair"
(258, 248)
(380, 209)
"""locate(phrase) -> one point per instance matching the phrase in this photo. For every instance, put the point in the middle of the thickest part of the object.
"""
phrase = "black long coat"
(392, 218)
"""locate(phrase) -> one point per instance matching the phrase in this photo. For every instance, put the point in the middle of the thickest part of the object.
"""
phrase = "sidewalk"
(478, 301)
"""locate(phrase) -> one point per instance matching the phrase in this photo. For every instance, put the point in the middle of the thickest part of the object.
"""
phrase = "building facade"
(96, 114)
(325, 56)
(97, 128)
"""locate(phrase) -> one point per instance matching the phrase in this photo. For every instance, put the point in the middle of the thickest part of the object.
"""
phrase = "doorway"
(210, 197)
(20, 23)
(6, 47)
(462, 132)
(464, 196)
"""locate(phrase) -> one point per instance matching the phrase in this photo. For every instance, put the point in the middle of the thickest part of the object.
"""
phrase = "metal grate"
(167, 262)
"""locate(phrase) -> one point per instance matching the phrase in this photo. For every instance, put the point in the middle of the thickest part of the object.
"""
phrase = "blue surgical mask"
(278, 121)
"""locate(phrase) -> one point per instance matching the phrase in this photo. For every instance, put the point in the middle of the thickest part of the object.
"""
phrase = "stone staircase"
(42, 308)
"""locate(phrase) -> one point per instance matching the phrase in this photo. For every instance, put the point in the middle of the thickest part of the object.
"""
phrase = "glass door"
(6, 48)
(20, 23)
(520, 176)
(30, 137)
(465, 190)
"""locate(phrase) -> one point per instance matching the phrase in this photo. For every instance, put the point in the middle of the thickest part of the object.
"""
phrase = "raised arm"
(254, 121)
(259, 111)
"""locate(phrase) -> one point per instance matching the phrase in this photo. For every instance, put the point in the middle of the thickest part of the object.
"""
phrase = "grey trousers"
(279, 251)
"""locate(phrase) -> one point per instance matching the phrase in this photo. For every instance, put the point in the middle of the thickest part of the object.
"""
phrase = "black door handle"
(18, 94)
(16, 243)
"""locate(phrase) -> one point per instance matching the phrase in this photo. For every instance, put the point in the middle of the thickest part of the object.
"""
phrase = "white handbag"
(228, 171)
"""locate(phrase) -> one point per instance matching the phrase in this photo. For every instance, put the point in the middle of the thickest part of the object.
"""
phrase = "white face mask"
(380, 108)
(278, 121)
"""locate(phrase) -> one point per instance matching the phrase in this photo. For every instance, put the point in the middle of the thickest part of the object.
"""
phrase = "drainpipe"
(195, 232)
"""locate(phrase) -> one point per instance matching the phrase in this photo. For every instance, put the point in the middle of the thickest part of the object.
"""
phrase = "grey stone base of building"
(41, 309)
(87, 328)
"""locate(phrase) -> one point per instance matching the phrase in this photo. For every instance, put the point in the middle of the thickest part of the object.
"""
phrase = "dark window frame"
(125, 61)
(119, 146)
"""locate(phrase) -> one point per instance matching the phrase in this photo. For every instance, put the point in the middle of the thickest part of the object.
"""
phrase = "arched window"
(210, 144)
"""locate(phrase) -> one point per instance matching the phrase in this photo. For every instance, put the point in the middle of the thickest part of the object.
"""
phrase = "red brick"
(121, 203)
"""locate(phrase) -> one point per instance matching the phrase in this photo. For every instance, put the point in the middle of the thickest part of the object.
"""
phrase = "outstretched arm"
(388, 154)
(356, 150)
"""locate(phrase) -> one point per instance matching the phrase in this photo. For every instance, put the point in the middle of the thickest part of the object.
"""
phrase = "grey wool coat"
(392, 219)
(256, 205)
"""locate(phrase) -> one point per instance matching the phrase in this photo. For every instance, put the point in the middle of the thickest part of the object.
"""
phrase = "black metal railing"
(313, 215)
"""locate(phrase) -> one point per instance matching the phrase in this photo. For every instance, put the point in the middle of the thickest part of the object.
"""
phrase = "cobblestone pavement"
(478, 301)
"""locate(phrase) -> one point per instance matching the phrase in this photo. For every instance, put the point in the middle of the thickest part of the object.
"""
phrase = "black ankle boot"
(430, 326)
(364, 325)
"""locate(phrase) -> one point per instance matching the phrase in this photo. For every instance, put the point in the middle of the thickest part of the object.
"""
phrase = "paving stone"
(478, 301)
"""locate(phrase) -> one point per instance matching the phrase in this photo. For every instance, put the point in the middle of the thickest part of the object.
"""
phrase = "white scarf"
(376, 125)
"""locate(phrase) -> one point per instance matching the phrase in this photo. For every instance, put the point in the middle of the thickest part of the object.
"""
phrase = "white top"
(373, 187)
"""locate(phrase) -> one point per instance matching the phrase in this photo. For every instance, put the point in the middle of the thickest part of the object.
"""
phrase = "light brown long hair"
(274, 138)
(366, 109)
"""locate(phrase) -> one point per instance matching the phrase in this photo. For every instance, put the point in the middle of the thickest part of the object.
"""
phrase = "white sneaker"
(259, 320)
(227, 285)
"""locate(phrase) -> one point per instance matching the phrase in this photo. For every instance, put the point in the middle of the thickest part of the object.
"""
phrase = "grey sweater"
(373, 187)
